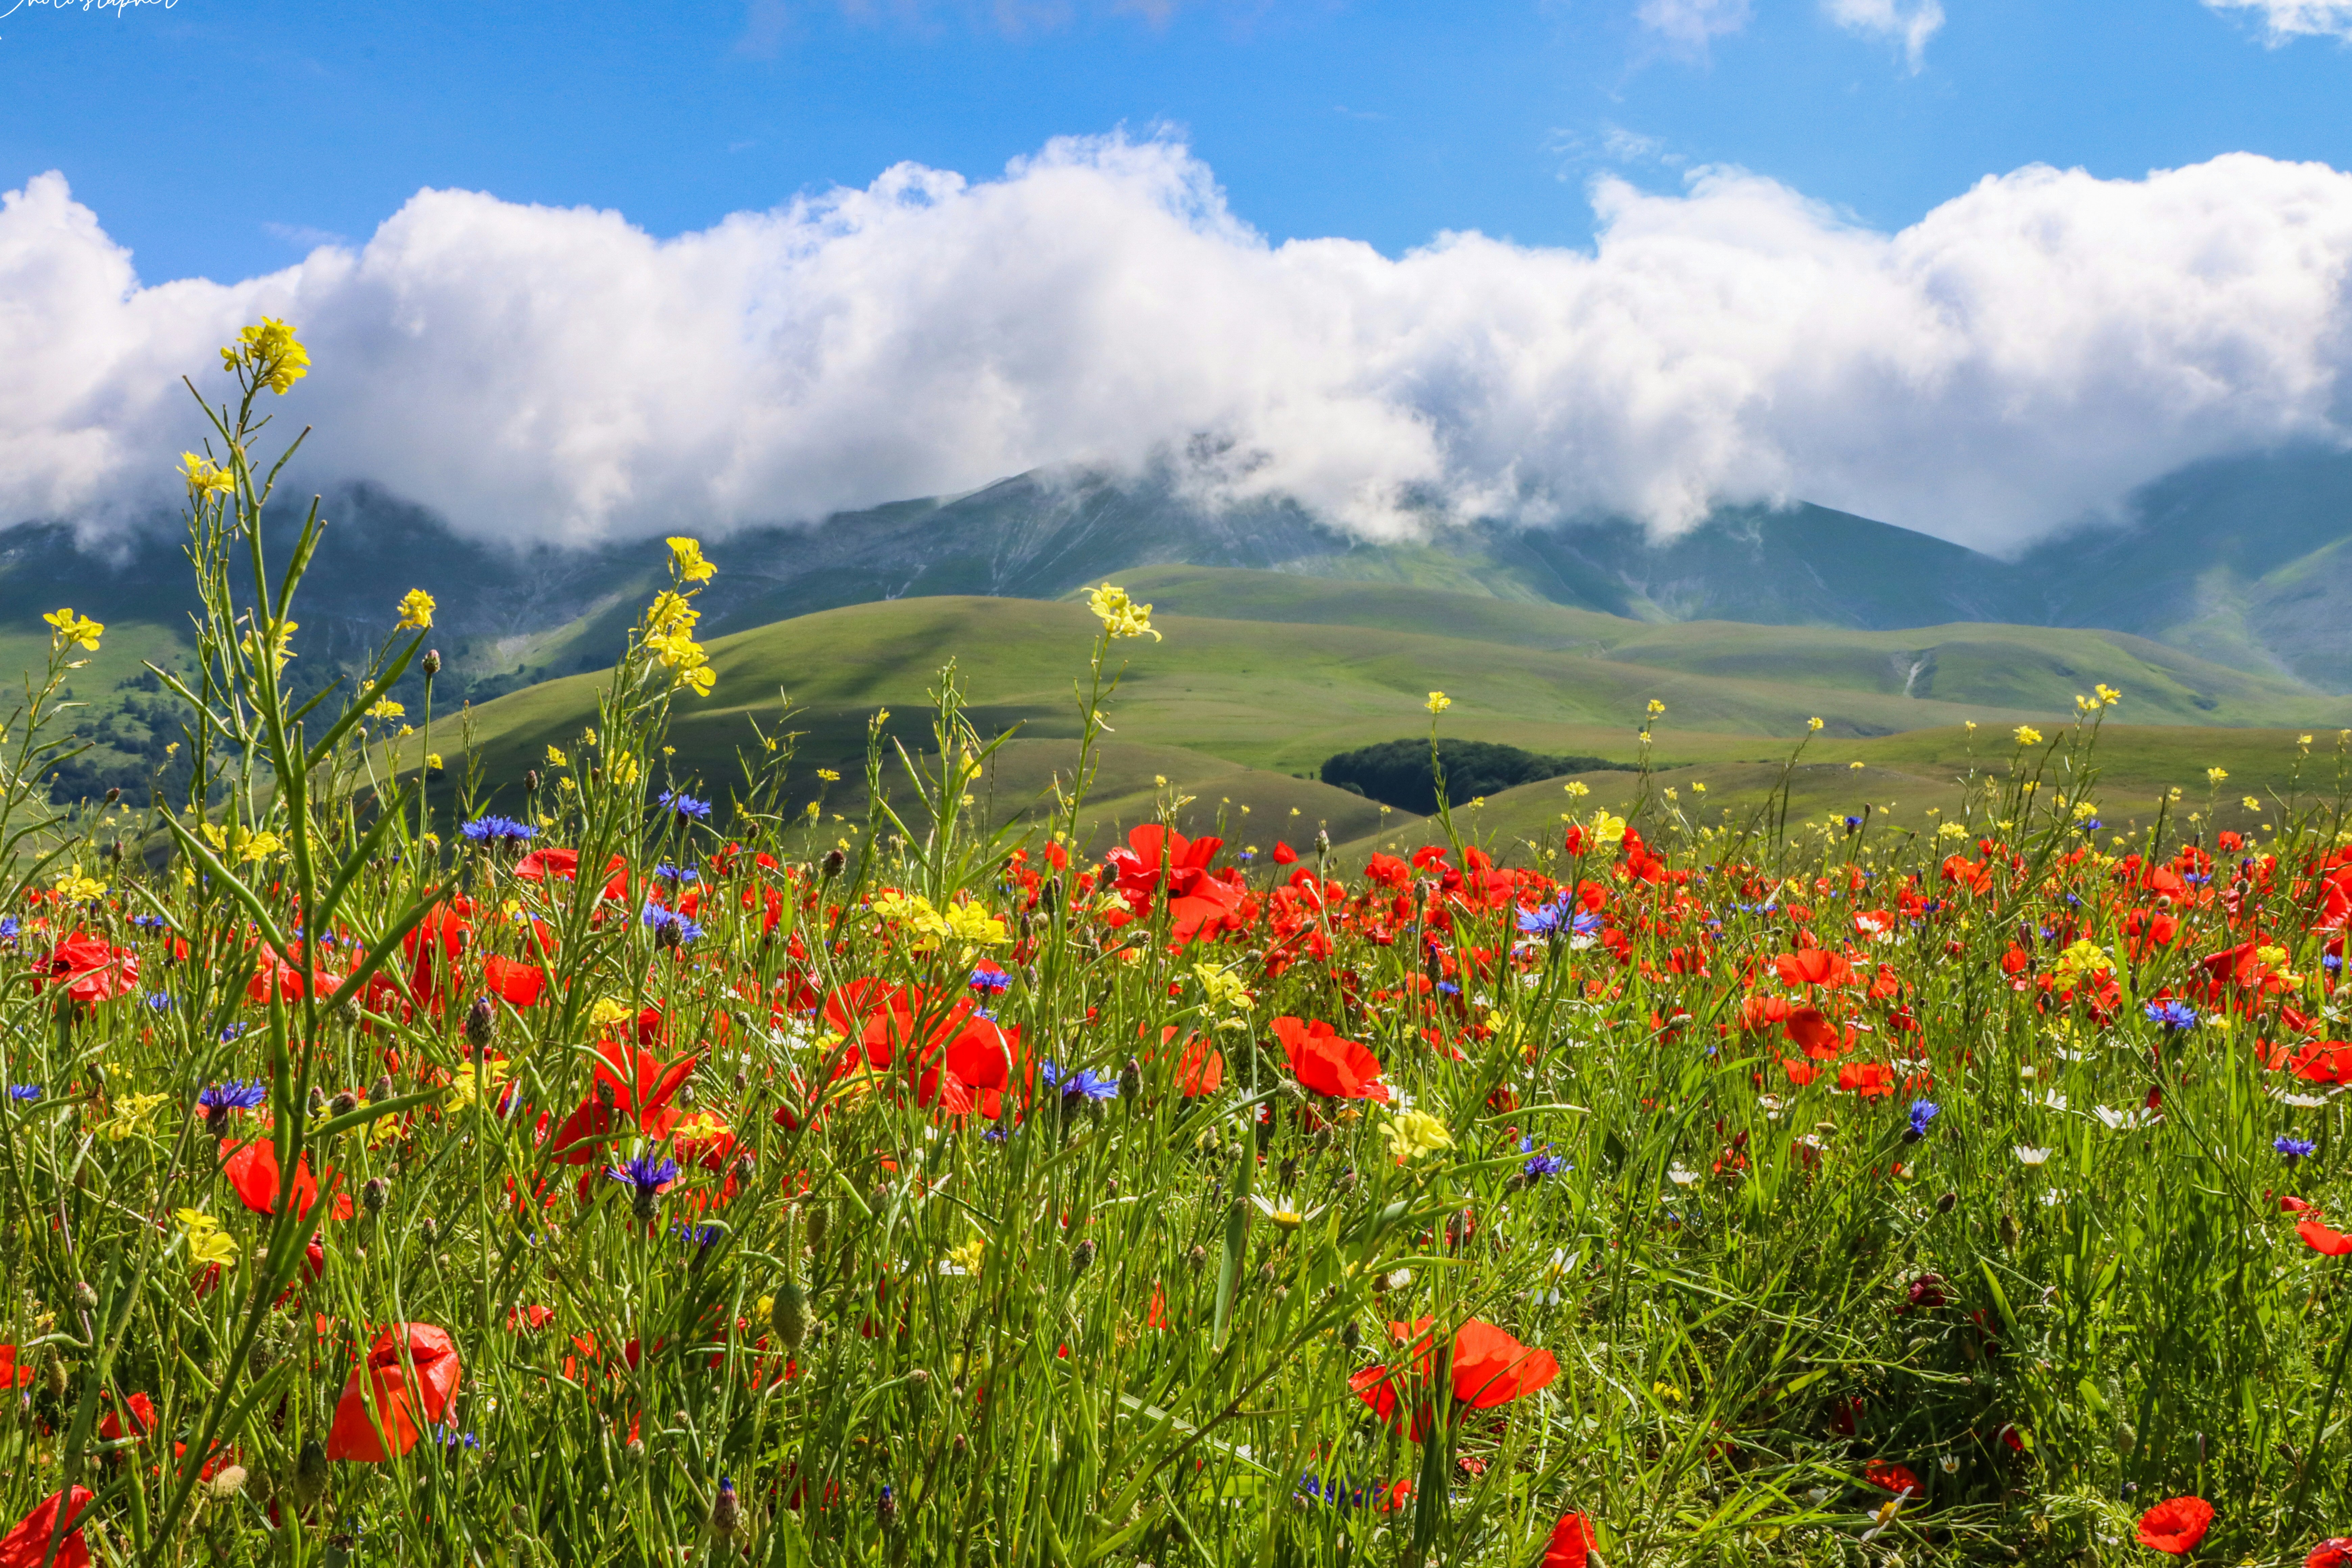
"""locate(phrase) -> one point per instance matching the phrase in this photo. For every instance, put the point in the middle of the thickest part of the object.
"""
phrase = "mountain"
(2237, 566)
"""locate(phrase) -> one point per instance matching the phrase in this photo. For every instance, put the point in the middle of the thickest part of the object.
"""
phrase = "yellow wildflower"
(608, 1011)
(2027, 735)
(1120, 615)
(416, 607)
(269, 350)
(1656, 708)
(204, 476)
(1816, 724)
(386, 708)
(2215, 775)
(207, 1243)
(1608, 828)
(131, 1114)
(967, 1257)
(71, 628)
(828, 776)
(2250, 802)
(686, 561)
(432, 762)
(260, 846)
(76, 888)
(556, 759)
(1438, 702)
(1412, 1133)
(2082, 961)
(1576, 789)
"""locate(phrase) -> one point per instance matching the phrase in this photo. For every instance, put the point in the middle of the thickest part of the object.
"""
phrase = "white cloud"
(1910, 23)
(2032, 349)
(1689, 24)
(2285, 19)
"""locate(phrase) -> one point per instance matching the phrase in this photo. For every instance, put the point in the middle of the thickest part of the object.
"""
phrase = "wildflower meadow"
(605, 1166)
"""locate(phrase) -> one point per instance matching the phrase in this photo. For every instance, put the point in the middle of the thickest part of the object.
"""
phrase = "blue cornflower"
(1562, 914)
(698, 1234)
(8, 928)
(669, 873)
(1084, 1083)
(1447, 988)
(992, 980)
(670, 928)
(2088, 825)
(149, 922)
(1853, 824)
(2175, 1016)
(496, 830)
(236, 1093)
(25, 1091)
(161, 1000)
(684, 805)
(649, 1174)
(2333, 963)
(453, 1439)
(2293, 1148)
(233, 1031)
(1539, 1163)
(1923, 1111)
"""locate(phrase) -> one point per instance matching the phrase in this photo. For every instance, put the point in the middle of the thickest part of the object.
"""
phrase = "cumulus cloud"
(1689, 24)
(1910, 23)
(2285, 19)
(2029, 352)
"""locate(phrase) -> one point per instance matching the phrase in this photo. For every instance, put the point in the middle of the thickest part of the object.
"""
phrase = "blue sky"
(220, 137)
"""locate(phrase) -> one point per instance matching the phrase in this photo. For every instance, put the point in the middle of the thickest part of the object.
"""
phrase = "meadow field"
(758, 1103)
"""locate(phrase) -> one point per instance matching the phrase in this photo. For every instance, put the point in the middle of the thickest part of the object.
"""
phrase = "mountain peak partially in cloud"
(2026, 354)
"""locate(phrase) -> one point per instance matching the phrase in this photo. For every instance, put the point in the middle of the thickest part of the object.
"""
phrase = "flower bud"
(380, 1091)
(430, 663)
(343, 1104)
(1130, 1082)
(309, 1474)
(820, 1223)
(789, 1316)
(482, 1021)
(530, 780)
(1081, 1257)
(726, 1511)
(830, 867)
(86, 1296)
(374, 1193)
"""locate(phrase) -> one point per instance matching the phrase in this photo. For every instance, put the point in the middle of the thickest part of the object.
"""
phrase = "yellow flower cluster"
(2101, 696)
(686, 561)
(416, 607)
(669, 637)
(2027, 735)
(2082, 962)
(278, 641)
(1412, 1133)
(68, 628)
(1120, 615)
(74, 888)
(131, 1114)
(268, 349)
(207, 1243)
(1438, 702)
(204, 476)
(1608, 829)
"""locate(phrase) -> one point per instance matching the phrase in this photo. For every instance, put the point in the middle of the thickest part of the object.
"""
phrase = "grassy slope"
(1228, 710)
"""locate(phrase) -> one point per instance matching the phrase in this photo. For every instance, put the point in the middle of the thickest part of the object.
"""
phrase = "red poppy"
(1488, 1368)
(13, 1374)
(2335, 1551)
(630, 1082)
(378, 1416)
(520, 983)
(86, 969)
(1201, 1069)
(2319, 1238)
(1889, 1478)
(1813, 966)
(1572, 1545)
(141, 1410)
(1327, 1064)
(1811, 1031)
(2176, 1525)
(29, 1545)
(253, 1170)
(1871, 1080)
(1196, 895)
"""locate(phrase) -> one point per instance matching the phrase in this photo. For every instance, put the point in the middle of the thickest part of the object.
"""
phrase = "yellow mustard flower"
(416, 607)
(2027, 735)
(269, 350)
(1412, 1133)
(69, 628)
(686, 561)
(204, 476)
(1120, 615)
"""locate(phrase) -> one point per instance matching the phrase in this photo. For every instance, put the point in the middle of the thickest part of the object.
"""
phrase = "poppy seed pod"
(430, 663)
(789, 1315)
(819, 1223)
(309, 1473)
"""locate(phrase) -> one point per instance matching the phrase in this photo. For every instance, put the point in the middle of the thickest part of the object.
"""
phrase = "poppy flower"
(2320, 1238)
(630, 1082)
(1811, 1030)
(13, 1374)
(518, 983)
(1871, 1080)
(2335, 1551)
(1327, 1064)
(379, 1415)
(2176, 1525)
(1813, 966)
(87, 970)
(142, 1411)
(1488, 1368)
(253, 1170)
(1197, 896)
(1572, 1545)
(1889, 1478)
(29, 1545)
